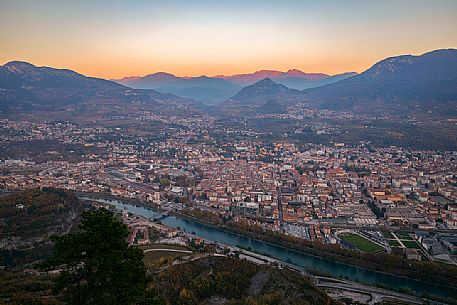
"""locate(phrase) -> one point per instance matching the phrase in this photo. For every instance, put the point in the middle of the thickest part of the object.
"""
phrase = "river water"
(332, 268)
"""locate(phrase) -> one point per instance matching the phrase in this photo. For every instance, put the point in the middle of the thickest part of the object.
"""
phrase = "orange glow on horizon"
(115, 39)
(115, 68)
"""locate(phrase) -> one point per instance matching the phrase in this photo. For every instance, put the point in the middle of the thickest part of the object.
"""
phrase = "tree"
(164, 181)
(97, 264)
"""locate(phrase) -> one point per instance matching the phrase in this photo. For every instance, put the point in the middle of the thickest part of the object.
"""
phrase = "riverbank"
(303, 259)
(291, 247)
(280, 240)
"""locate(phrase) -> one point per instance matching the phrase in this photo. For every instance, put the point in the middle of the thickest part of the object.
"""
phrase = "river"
(332, 268)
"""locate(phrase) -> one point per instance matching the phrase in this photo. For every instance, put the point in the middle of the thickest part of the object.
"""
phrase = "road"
(167, 250)
(376, 294)
(398, 239)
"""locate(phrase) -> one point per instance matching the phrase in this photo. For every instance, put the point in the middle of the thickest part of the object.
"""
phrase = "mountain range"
(25, 87)
(405, 84)
(293, 78)
(402, 84)
(425, 83)
(265, 96)
(213, 90)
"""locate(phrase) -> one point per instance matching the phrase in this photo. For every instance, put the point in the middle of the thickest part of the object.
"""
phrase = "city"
(228, 152)
(324, 189)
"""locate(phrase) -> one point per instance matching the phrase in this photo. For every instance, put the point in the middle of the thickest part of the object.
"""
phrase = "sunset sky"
(113, 39)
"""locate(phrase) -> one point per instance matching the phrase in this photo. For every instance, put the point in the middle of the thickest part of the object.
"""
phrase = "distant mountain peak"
(403, 65)
(203, 77)
(390, 65)
(19, 66)
(25, 68)
(267, 84)
(406, 83)
(265, 81)
(262, 91)
(159, 76)
(268, 73)
(30, 88)
(127, 78)
(154, 76)
(18, 63)
(202, 88)
(295, 72)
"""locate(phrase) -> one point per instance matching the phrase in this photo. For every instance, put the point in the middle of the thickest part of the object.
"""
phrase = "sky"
(113, 38)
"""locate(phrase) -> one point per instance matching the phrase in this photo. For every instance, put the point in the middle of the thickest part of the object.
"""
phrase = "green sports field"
(361, 243)
(411, 244)
(393, 243)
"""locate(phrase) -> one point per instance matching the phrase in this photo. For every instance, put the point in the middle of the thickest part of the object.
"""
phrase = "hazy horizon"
(117, 39)
(223, 75)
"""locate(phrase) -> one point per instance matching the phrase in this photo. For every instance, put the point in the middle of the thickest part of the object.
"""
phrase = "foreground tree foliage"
(97, 264)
